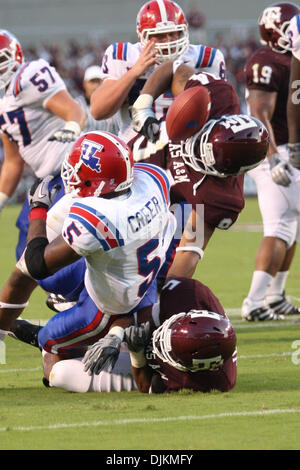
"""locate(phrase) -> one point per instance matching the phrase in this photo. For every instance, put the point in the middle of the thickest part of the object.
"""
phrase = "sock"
(277, 285)
(259, 285)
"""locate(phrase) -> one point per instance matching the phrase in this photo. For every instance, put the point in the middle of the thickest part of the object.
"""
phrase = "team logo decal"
(89, 154)
(270, 16)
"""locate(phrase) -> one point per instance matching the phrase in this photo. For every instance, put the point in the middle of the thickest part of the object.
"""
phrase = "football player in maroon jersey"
(207, 168)
(278, 183)
(193, 345)
(185, 340)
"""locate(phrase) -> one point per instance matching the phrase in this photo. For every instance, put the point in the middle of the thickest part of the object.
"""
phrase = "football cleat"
(58, 303)
(257, 311)
(282, 306)
(26, 332)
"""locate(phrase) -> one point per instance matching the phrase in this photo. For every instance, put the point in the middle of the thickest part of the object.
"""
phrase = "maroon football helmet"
(273, 24)
(98, 163)
(11, 56)
(227, 146)
(194, 341)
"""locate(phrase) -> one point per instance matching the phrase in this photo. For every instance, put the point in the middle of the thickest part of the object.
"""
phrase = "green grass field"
(262, 412)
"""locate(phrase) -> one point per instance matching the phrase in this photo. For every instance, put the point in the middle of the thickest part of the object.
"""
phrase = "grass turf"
(261, 412)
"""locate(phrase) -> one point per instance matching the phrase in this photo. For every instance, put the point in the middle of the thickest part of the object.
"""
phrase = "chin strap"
(5, 305)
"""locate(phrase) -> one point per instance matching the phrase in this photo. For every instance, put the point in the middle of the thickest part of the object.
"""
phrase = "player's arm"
(194, 240)
(64, 106)
(111, 95)
(11, 171)
(293, 113)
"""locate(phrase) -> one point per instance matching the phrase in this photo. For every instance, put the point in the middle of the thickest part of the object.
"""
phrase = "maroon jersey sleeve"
(224, 99)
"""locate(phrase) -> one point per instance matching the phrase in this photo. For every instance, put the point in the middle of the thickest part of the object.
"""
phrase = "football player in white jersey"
(162, 30)
(293, 107)
(38, 120)
(119, 222)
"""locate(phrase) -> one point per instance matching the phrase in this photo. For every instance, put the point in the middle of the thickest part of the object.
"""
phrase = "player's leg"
(275, 295)
(278, 210)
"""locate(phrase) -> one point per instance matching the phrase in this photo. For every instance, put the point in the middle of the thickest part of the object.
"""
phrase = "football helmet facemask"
(227, 146)
(273, 25)
(11, 56)
(162, 17)
(194, 341)
(98, 163)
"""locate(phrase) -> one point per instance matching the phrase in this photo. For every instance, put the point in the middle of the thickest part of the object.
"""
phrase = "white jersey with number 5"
(26, 121)
(120, 57)
(124, 240)
(294, 36)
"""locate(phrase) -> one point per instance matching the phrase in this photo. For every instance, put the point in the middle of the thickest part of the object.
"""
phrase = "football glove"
(143, 118)
(39, 194)
(137, 337)
(280, 170)
(68, 134)
(104, 352)
(294, 155)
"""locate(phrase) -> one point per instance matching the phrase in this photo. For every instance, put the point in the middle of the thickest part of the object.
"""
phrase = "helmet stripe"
(162, 10)
(17, 84)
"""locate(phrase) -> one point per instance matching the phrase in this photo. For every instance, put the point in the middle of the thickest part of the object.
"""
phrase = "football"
(188, 113)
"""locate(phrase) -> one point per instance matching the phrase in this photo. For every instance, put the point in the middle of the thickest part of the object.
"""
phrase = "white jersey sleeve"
(36, 82)
(118, 59)
(205, 59)
(294, 36)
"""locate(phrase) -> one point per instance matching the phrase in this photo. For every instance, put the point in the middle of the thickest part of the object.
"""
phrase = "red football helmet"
(227, 146)
(11, 56)
(273, 24)
(194, 341)
(98, 163)
(159, 17)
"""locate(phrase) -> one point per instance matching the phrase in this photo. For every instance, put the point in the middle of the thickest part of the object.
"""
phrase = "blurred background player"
(278, 184)
(163, 35)
(293, 107)
(91, 81)
(185, 341)
(117, 219)
(38, 121)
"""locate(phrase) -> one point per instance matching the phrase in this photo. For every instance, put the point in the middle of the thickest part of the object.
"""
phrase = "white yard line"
(119, 422)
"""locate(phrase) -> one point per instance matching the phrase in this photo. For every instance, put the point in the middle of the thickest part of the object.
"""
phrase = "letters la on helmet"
(163, 16)
(194, 341)
(273, 25)
(11, 56)
(227, 146)
(98, 163)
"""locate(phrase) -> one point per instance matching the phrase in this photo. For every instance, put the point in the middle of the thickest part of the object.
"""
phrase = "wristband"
(38, 213)
(117, 331)
(143, 101)
(138, 359)
(5, 305)
(196, 249)
(3, 200)
(73, 126)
